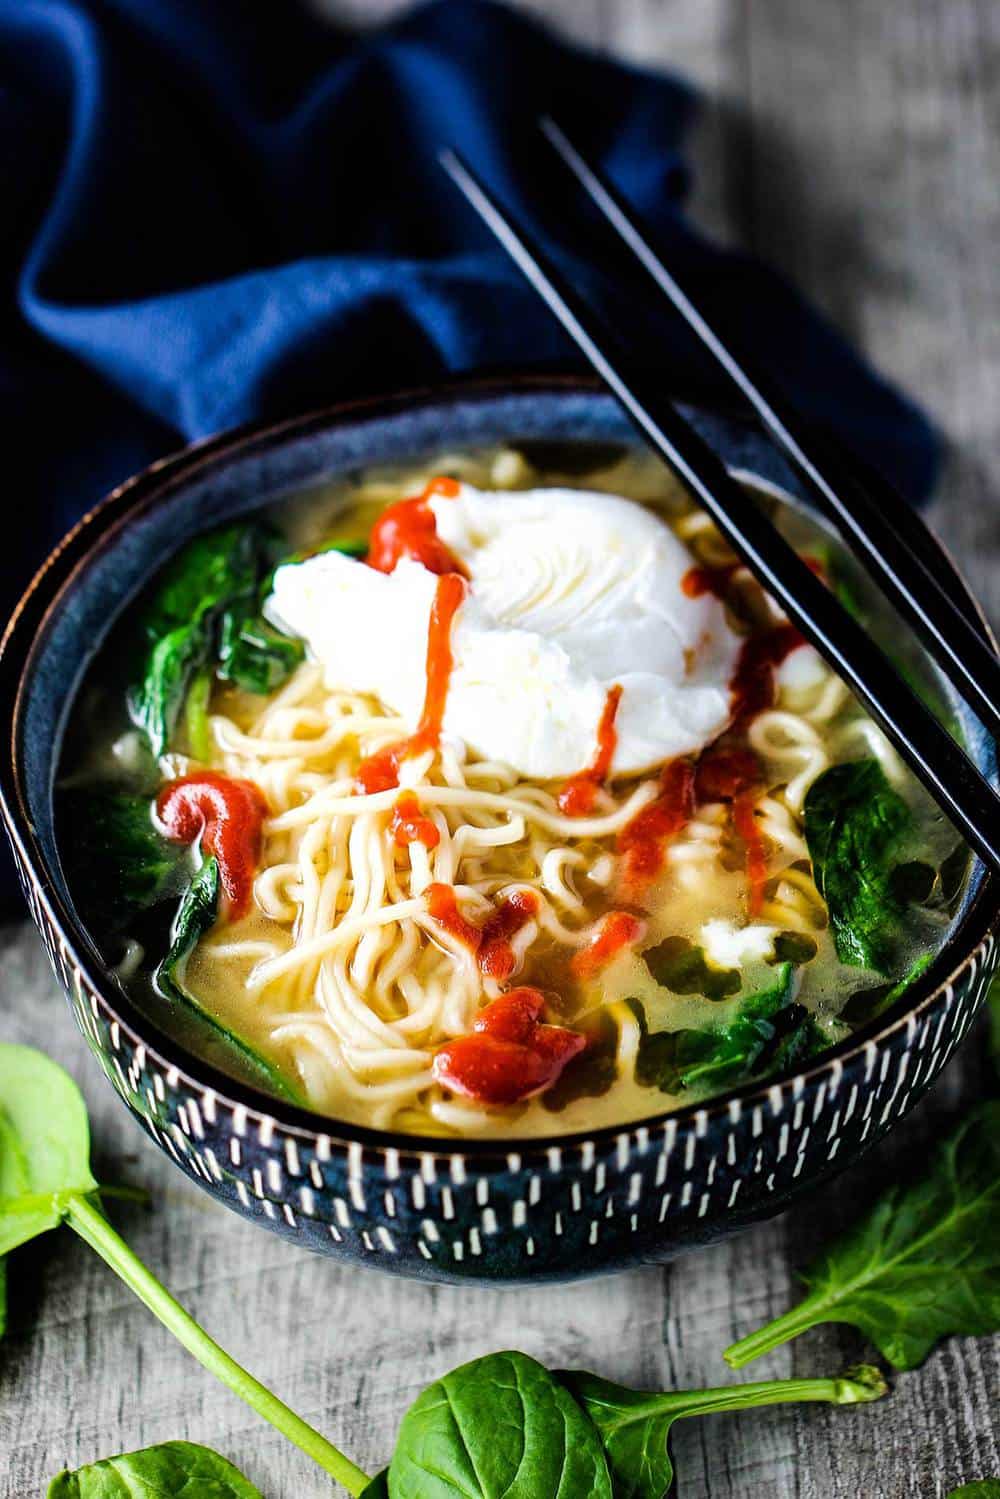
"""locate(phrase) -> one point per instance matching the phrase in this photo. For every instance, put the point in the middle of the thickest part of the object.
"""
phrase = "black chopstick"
(939, 762)
(889, 536)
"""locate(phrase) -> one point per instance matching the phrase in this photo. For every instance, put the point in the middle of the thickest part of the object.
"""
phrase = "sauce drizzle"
(409, 825)
(408, 529)
(642, 842)
(617, 930)
(752, 686)
(490, 942)
(748, 828)
(227, 815)
(577, 796)
(380, 772)
(510, 1055)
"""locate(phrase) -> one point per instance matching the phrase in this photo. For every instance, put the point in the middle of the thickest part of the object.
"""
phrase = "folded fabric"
(219, 211)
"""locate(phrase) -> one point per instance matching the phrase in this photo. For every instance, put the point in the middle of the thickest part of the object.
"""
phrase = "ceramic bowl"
(532, 1210)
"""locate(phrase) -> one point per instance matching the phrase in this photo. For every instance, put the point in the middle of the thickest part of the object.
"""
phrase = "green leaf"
(854, 824)
(253, 654)
(870, 1003)
(499, 1426)
(44, 1144)
(679, 965)
(196, 915)
(923, 1264)
(758, 1036)
(181, 1469)
(156, 703)
(634, 1425)
(196, 725)
(379, 1486)
(211, 587)
(117, 861)
(982, 1488)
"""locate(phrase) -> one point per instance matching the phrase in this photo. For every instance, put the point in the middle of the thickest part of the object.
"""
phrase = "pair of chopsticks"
(890, 538)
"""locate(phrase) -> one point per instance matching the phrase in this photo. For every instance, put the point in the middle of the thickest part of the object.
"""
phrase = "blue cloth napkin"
(220, 211)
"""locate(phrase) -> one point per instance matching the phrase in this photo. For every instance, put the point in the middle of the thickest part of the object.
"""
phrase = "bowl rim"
(152, 486)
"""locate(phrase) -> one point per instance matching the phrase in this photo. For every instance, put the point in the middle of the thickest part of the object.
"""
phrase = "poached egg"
(570, 593)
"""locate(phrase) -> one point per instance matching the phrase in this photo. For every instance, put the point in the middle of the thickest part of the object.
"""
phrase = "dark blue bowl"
(490, 1211)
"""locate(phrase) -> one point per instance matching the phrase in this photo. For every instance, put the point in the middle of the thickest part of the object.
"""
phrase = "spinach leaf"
(982, 1488)
(205, 574)
(156, 702)
(499, 1426)
(196, 915)
(634, 1425)
(183, 1469)
(725, 1053)
(44, 1144)
(854, 824)
(679, 965)
(117, 861)
(870, 1003)
(45, 1180)
(924, 1263)
(206, 609)
(253, 654)
(196, 725)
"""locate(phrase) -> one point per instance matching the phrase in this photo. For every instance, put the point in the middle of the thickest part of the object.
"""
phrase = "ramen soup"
(489, 799)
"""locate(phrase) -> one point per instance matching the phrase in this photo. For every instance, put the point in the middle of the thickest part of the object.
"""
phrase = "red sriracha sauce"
(748, 828)
(511, 1055)
(496, 956)
(227, 815)
(698, 581)
(722, 774)
(408, 529)
(490, 942)
(442, 904)
(752, 686)
(577, 796)
(617, 930)
(409, 825)
(642, 842)
(380, 772)
(736, 775)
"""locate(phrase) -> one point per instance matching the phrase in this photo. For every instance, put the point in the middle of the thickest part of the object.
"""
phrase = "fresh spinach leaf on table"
(634, 1425)
(45, 1180)
(182, 1469)
(501, 1427)
(982, 1488)
(855, 823)
(44, 1145)
(922, 1264)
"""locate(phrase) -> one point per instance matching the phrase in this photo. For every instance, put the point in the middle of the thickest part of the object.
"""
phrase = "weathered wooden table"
(855, 145)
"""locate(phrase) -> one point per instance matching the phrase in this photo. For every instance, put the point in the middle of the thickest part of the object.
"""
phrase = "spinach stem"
(773, 1334)
(127, 1194)
(842, 1390)
(88, 1221)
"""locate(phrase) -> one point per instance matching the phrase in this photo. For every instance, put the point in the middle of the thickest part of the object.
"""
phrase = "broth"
(434, 941)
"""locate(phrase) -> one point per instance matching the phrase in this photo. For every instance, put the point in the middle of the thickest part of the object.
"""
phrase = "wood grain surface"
(855, 145)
